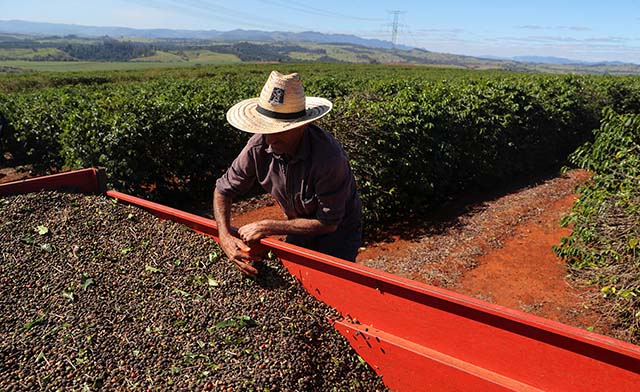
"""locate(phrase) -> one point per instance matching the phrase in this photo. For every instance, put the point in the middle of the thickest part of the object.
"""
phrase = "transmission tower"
(394, 29)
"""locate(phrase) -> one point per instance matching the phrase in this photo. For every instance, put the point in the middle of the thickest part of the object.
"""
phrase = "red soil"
(267, 212)
(9, 174)
(498, 251)
(525, 274)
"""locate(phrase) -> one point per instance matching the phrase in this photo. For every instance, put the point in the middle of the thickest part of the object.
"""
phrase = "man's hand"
(255, 231)
(237, 252)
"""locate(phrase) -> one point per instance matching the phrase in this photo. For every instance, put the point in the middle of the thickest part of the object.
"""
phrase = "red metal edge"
(85, 181)
(524, 349)
(381, 281)
(195, 222)
(530, 350)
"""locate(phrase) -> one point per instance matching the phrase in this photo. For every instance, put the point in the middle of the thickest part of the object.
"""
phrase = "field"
(191, 56)
(161, 61)
(119, 52)
(455, 131)
(41, 54)
(140, 72)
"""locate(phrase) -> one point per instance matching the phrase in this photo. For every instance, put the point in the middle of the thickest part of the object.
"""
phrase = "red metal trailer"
(419, 337)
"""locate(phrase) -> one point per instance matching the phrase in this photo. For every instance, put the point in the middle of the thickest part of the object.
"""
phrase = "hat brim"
(245, 116)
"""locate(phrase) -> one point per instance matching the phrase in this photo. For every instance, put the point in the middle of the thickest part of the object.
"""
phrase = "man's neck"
(295, 145)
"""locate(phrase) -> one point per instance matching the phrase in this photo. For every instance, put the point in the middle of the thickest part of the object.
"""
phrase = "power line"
(413, 38)
(235, 14)
(197, 8)
(304, 8)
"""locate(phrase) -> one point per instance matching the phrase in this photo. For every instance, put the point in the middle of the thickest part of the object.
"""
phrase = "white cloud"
(578, 28)
(593, 48)
(608, 39)
(539, 27)
(453, 31)
(531, 27)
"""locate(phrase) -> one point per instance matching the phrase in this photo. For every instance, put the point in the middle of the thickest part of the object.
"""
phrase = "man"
(301, 165)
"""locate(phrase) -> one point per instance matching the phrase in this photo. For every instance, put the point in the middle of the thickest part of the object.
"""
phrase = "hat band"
(280, 116)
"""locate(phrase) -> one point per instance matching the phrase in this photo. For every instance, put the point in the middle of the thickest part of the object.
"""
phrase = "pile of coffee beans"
(98, 295)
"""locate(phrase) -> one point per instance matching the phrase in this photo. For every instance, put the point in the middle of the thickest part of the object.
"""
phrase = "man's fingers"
(246, 257)
(238, 252)
(246, 237)
(252, 231)
(242, 246)
(245, 268)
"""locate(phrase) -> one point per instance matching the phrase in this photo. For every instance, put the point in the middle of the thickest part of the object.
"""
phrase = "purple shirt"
(315, 183)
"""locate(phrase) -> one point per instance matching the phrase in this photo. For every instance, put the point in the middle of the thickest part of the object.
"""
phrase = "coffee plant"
(415, 135)
(604, 246)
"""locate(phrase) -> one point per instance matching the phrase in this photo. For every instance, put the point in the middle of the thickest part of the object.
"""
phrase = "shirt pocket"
(307, 201)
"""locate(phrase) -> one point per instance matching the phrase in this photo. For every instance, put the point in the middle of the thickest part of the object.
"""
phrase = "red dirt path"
(525, 274)
(268, 212)
(9, 174)
(497, 250)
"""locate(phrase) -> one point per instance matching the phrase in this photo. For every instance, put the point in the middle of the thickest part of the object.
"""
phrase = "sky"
(580, 30)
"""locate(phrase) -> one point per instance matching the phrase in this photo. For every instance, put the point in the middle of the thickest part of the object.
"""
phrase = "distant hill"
(561, 60)
(546, 60)
(48, 29)
(23, 43)
(554, 60)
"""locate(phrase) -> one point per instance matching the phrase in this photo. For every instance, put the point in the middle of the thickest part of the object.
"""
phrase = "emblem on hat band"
(277, 96)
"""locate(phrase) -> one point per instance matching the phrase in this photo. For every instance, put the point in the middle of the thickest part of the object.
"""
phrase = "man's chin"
(277, 149)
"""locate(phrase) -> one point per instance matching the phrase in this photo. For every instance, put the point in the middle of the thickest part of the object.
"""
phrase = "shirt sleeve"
(333, 189)
(241, 175)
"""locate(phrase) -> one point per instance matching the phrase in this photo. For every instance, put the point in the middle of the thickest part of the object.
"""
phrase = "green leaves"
(69, 294)
(152, 269)
(603, 246)
(31, 324)
(181, 292)
(212, 282)
(86, 282)
(237, 323)
(28, 240)
(450, 130)
(46, 247)
(41, 230)
(215, 255)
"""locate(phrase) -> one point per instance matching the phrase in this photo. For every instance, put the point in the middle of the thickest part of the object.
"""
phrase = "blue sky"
(584, 30)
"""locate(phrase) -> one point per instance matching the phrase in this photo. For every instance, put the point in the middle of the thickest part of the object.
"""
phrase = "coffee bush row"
(604, 246)
(413, 139)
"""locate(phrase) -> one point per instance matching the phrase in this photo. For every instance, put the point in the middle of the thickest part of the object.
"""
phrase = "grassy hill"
(46, 53)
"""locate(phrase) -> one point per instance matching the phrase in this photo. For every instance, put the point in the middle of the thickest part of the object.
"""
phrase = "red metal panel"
(85, 181)
(406, 366)
(525, 348)
(430, 338)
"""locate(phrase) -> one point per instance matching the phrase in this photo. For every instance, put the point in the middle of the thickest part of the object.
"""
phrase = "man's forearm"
(222, 212)
(299, 226)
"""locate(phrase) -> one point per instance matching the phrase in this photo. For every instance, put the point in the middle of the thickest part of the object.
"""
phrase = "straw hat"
(282, 105)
